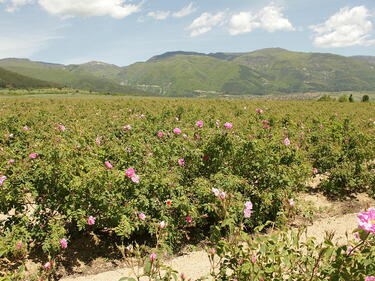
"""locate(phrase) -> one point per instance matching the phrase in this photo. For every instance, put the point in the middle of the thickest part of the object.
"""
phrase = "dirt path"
(339, 217)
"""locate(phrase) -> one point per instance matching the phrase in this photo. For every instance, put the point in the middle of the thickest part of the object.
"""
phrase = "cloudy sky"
(125, 31)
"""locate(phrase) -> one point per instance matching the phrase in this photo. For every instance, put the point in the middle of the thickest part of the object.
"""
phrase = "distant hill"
(370, 59)
(273, 70)
(9, 79)
(67, 76)
(189, 74)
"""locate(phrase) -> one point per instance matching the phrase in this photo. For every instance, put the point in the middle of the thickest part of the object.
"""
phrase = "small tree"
(343, 98)
(365, 98)
(351, 98)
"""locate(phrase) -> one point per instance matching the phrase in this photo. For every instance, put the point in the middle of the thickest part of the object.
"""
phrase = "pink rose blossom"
(216, 192)
(248, 205)
(162, 224)
(181, 161)
(135, 179)
(11, 161)
(91, 220)
(130, 172)
(127, 128)
(26, 128)
(48, 265)
(33, 155)
(370, 278)
(197, 137)
(247, 213)
(228, 125)
(98, 141)
(108, 164)
(142, 216)
(61, 127)
(286, 142)
(315, 171)
(366, 220)
(2, 180)
(153, 257)
(19, 246)
(222, 195)
(199, 124)
(160, 135)
(212, 251)
(168, 202)
(356, 235)
(177, 131)
(189, 219)
(254, 259)
(291, 202)
(64, 243)
(259, 111)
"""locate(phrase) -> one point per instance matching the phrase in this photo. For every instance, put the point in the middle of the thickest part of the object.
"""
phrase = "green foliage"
(343, 98)
(51, 197)
(10, 79)
(365, 98)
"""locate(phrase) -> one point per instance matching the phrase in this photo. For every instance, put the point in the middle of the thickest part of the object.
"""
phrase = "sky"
(123, 32)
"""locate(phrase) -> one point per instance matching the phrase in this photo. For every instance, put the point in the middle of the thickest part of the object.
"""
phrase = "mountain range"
(188, 74)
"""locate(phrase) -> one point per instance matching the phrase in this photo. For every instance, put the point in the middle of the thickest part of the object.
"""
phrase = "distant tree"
(326, 98)
(351, 98)
(343, 98)
(365, 98)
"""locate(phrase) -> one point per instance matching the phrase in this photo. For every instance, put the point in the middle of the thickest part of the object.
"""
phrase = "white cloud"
(205, 22)
(242, 23)
(85, 8)
(159, 15)
(348, 27)
(23, 45)
(162, 15)
(185, 11)
(270, 18)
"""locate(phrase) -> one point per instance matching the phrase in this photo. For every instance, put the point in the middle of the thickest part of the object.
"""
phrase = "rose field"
(144, 178)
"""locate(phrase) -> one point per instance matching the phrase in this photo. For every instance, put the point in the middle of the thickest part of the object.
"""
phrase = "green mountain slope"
(264, 71)
(189, 75)
(304, 72)
(10, 79)
(65, 76)
(369, 59)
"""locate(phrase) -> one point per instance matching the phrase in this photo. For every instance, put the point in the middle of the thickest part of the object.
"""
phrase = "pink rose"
(11, 161)
(162, 224)
(64, 243)
(228, 125)
(61, 127)
(130, 172)
(33, 155)
(199, 124)
(248, 205)
(286, 142)
(2, 180)
(247, 213)
(177, 131)
(91, 220)
(108, 164)
(135, 179)
(142, 216)
(189, 219)
(127, 128)
(153, 257)
(160, 135)
(259, 111)
(181, 161)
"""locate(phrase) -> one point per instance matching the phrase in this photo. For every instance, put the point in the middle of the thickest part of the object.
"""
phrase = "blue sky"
(126, 31)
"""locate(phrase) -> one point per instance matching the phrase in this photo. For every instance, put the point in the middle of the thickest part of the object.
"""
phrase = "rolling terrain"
(188, 74)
